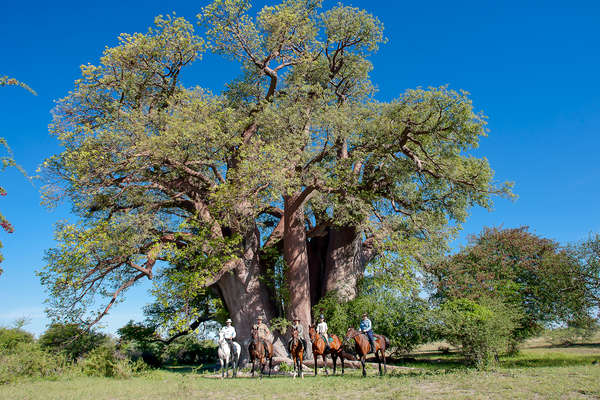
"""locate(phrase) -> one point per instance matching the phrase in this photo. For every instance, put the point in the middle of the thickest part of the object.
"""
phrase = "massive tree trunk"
(337, 262)
(296, 261)
(246, 295)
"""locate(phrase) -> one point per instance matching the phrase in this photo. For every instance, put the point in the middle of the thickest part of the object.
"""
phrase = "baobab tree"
(294, 169)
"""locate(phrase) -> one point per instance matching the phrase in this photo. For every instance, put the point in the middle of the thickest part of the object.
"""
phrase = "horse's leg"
(383, 355)
(342, 359)
(300, 365)
(222, 371)
(362, 361)
(252, 368)
(325, 363)
(334, 359)
(270, 364)
(378, 355)
(316, 359)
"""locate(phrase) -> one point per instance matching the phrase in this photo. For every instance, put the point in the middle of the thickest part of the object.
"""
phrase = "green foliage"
(139, 341)
(26, 359)
(586, 261)
(481, 330)
(10, 338)
(405, 321)
(71, 340)
(189, 350)
(530, 274)
(104, 362)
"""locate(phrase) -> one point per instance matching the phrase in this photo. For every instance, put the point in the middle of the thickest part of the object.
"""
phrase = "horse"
(226, 357)
(318, 348)
(297, 353)
(363, 346)
(258, 353)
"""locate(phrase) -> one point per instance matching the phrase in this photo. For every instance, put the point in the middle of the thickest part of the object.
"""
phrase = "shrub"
(27, 359)
(481, 330)
(405, 321)
(71, 340)
(578, 333)
(12, 337)
(105, 362)
(139, 342)
(189, 350)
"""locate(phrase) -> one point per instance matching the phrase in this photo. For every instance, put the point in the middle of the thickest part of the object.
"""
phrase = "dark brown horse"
(318, 348)
(363, 347)
(297, 353)
(259, 354)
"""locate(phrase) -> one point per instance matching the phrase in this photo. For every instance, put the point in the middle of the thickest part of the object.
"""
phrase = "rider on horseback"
(297, 326)
(322, 330)
(367, 328)
(263, 331)
(229, 334)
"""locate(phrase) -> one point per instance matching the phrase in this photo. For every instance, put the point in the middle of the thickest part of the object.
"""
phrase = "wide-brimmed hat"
(228, 320)
(321, 316)
(295, 319)
(364, 314)
(260, 317)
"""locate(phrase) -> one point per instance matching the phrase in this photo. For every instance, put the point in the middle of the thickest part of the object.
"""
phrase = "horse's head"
(350, 333)
(312, 333)
(221, 337)
(254, 334)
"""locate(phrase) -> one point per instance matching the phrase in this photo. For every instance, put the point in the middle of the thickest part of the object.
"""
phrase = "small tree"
(481, 330)
(71, 340)
(530, 274)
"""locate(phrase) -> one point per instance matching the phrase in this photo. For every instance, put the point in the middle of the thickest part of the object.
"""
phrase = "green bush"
(571, 335)
(481, 330)
(189, 350)
(11, 337)
(71, 340)
(139, 342)
(28, 359)
(405, 321)
(105, 362)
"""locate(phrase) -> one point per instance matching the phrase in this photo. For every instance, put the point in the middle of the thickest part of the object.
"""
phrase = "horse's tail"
(387, 341)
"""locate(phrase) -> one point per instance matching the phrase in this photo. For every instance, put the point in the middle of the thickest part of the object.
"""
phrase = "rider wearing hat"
(228, 332)
(322, 330)
(367, 328)
(263, 330)
(297, 326)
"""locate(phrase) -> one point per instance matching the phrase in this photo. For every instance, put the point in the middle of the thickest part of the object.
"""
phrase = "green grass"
(539, 372)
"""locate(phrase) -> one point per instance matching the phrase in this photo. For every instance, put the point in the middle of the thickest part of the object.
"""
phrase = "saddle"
(371, 345)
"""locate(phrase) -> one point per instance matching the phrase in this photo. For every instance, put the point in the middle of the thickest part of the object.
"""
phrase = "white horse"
(226, 358)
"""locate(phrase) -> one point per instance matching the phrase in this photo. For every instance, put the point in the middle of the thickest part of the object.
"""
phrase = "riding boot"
(372, 343)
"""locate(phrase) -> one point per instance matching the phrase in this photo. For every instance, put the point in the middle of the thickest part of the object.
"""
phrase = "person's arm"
(234, 333)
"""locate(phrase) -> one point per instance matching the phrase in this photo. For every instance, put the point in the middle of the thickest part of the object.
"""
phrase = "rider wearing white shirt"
(322, 330)
(228, 333)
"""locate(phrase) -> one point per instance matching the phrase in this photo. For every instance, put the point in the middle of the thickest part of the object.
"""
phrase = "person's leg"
(371, 340)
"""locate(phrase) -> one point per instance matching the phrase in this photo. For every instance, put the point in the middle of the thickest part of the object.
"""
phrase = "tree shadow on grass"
(550, 361)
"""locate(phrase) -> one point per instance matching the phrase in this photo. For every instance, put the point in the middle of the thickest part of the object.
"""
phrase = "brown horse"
(318, 348)
(363, 347)
(259, 354)
(297, 353)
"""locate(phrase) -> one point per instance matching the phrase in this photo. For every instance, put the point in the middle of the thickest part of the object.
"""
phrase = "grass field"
(539, 372)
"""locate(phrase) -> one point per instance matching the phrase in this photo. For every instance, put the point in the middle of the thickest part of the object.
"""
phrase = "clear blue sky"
(532, 67)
